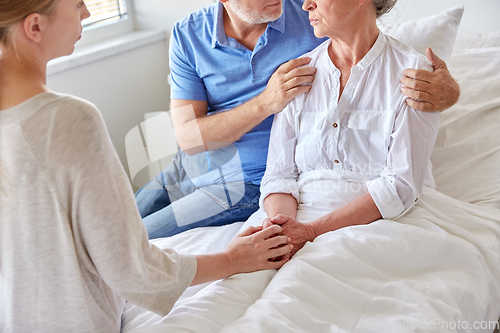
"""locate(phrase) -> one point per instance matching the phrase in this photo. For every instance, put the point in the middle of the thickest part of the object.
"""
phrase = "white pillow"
(437, 32)
(466, 156)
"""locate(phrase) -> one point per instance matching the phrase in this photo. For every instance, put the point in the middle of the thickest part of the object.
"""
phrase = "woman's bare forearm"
(362, 210)
(280, 203)
(248, 252)
(212, 267)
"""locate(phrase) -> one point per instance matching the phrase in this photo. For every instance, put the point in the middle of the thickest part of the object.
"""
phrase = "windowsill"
(104, 49)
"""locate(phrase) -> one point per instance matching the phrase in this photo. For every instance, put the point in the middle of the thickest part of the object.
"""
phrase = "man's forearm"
(229, 126)
(199, 132)
(221, 129)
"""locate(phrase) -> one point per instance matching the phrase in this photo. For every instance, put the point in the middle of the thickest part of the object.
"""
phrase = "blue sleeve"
(185, 83)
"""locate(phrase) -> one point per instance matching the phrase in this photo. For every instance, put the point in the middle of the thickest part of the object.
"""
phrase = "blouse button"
(335, 125)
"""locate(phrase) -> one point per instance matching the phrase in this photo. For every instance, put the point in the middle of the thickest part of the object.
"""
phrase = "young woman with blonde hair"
(72, 244)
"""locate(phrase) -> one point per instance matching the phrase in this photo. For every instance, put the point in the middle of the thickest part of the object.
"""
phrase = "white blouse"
(369, 134)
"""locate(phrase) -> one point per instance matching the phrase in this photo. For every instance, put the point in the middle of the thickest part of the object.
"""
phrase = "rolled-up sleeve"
(400, 183)
(281, 171)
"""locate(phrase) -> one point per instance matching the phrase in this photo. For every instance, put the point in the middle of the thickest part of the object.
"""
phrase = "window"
(108, 19)
(105, 11)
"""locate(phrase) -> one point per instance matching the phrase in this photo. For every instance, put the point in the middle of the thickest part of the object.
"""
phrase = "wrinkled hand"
(298, 233)
(252, 249)
(429, 91)
(288, 81)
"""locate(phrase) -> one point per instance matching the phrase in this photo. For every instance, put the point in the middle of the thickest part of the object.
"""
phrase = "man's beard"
(252, 18)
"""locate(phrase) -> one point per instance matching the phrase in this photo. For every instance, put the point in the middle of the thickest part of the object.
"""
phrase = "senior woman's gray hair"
(383, 6)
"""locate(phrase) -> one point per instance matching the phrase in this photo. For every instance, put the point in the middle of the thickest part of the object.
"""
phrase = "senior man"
(231, 71)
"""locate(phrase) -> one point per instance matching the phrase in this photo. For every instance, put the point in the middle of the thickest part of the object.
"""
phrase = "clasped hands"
(298, 233)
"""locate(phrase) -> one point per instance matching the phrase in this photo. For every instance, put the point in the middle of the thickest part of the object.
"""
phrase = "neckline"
(27, 107)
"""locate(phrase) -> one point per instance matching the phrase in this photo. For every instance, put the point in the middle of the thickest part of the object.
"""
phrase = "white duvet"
(436, 269)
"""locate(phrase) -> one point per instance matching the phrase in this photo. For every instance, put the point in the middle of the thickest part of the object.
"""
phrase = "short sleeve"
(185, 83)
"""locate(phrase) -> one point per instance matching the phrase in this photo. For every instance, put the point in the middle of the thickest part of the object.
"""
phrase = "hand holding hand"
(288, 81)
(267, 223)
(298, 233)
(429, 91)
(254, 247)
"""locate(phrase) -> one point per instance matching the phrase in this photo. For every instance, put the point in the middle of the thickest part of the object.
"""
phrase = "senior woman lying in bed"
(351, 150)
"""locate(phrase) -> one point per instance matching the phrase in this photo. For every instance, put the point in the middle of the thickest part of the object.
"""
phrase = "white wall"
(126, 86)
(480, 16)
(162, 14)
(123, 87)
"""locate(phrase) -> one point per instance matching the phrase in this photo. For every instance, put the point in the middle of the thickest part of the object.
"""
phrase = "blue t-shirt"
(206, 65)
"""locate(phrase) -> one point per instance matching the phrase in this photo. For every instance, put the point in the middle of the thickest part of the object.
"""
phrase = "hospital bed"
(436, 269)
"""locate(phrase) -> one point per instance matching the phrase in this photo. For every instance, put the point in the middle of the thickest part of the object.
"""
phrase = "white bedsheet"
(195, 241)
(438, 265)
(436, 269)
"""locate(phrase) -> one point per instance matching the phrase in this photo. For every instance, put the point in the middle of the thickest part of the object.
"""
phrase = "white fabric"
(466, 156)
(72, 243)
(465, 42)
(368, 141)
(433, 268)
(195, 241)
(437, 267)
(437, 31)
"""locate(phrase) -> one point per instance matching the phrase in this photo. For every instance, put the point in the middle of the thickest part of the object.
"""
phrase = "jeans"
(171, 203)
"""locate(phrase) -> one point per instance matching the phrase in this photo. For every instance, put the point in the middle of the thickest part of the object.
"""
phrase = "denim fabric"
(171, 203)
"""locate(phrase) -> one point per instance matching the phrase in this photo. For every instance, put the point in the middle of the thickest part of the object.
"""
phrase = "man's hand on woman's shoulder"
(430, 91)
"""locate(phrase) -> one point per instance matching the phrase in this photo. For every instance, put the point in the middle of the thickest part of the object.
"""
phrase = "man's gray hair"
(383, 6)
